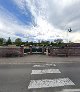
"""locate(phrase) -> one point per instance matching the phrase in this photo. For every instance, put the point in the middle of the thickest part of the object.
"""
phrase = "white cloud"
(51, 16)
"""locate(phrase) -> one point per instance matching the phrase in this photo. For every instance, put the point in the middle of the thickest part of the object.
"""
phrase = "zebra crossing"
(45, 71)
(44, 65)
(48, 83)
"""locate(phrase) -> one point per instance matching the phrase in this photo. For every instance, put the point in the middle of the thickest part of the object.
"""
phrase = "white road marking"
(45, 71)
(50, 64)
(46, 83)
(14, 63)
(39, 66)
(54, 65)
(44, 65)
(29, 62)
(70, 90)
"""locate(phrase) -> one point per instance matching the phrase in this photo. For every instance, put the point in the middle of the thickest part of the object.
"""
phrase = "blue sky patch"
(26, 19)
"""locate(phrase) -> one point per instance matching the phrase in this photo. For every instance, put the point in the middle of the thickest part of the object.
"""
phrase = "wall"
(11, 51)
(67, 51)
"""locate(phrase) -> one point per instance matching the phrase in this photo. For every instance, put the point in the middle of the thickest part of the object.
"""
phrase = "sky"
(33, 20)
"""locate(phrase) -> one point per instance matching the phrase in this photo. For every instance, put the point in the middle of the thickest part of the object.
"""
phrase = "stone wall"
(67, 51)
(11, 51)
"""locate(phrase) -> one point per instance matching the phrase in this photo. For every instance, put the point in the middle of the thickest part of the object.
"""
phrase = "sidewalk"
(39, 59)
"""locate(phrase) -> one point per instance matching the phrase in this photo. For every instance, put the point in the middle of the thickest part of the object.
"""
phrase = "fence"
(35, 50)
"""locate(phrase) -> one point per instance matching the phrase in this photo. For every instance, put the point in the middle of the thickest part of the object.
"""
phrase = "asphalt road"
(40, 77)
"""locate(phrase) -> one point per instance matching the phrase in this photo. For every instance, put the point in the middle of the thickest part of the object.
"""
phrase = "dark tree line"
(18, 42)
(9, 41)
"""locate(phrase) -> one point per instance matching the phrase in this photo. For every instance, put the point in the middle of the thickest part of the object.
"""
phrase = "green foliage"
(2, 41)
(9, 42)
(58, 41)
(45, 43)
(18, 42)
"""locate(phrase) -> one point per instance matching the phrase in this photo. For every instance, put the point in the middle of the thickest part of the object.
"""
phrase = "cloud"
(64, 12)
(51, 19)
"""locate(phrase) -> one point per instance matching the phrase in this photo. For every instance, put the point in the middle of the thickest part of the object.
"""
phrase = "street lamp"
(69, 30)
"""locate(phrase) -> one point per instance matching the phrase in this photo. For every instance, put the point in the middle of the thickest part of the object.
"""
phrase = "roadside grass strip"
(44, 65)
(46, 83)
(45, 71)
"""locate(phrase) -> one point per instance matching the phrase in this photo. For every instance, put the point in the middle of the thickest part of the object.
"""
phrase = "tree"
(9, 42)
(2, 41)
(45, 43)
(18, 41)
(58, 41)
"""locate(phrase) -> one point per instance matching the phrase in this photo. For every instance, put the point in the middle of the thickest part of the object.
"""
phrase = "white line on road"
(50, 64)
(39, 66)
(46, 83)
(70, 90)
(45, 71)
(44, 65)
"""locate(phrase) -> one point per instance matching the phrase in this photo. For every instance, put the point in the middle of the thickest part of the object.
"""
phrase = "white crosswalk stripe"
(50, 64)
(50, 83)
(44, 65)
(47, 83)
(45, 71)
(39, 66)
